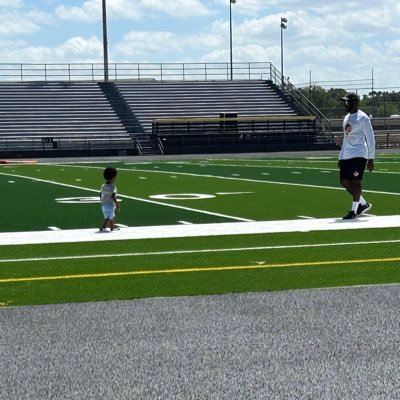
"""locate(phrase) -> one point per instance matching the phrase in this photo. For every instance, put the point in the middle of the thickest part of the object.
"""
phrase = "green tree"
(378, 104)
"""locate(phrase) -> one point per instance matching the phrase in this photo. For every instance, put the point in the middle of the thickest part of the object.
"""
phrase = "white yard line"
(290, 160)
(264, 181)
(233, 193)
(132, 198)
(239, 179)
(199, 251)
(324, 170)
(199, 230)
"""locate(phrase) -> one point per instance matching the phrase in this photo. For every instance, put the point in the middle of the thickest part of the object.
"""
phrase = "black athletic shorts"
(353, 168)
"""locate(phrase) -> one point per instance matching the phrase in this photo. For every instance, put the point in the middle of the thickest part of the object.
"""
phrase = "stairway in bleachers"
(69, 114)
(151, 100)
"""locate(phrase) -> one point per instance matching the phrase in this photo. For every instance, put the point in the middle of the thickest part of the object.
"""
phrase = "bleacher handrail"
(300, 100)
(259, 118)
(94, 72)
(186, 127)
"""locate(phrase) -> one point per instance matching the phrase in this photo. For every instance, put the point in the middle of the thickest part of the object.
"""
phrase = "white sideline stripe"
(264, 181)
(228, 193)
(293, 160)
(235, 179)
(199, 230)
(131, 197)
(185, 223)
(54, 228)
(199, 251)
(121, 226)
(305, 217)
(323, 170)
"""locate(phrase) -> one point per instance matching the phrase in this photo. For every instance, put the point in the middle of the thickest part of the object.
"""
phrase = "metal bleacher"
(66, 110)
(179, 117)
(153, 100)
(68, 117)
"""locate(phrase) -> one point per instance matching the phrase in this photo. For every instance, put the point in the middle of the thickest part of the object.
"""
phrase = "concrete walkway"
(326, 344)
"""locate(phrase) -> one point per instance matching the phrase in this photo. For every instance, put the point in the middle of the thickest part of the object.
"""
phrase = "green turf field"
(65, 196)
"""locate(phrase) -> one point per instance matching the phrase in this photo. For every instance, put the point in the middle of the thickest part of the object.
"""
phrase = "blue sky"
(336, 40)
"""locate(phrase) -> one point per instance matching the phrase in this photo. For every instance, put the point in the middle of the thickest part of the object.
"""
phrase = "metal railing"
(160, 145)
(94, 72)
(138, 145)
(379, 124)
(60, 144)
(240, 125)
(134, 71)
(300, 100)
(384, 140)
(387, 132)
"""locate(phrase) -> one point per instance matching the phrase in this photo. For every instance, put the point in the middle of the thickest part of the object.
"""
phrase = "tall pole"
(105, 41)
(373, 94)
(230, 35)
(282, 79)
(283, 26)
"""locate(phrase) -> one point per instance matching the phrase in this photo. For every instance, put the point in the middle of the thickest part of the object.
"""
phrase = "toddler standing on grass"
(108, 199)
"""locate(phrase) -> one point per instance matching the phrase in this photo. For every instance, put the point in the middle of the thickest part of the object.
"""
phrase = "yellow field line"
(202, 269)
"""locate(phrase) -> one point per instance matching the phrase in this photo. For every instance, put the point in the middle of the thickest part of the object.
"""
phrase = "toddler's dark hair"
(110, 173)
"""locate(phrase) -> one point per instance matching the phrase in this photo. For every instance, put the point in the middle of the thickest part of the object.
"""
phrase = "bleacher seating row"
(57, 116)
(153, 100)
(56, 108)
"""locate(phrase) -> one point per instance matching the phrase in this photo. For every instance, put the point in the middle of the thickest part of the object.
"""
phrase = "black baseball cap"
(350, 96)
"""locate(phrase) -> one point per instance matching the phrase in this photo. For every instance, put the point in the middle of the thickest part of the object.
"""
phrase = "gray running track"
(308, 344)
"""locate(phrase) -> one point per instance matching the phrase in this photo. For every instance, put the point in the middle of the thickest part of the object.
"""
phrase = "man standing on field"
(358, 152)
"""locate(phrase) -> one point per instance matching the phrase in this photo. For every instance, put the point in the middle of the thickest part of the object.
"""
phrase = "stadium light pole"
(105, 41)
(230, 33)
(283, 27)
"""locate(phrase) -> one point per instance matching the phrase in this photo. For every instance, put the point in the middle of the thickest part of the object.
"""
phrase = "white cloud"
(335, 46)
(91, 10)
(250, 53)
(76, 13)
(132, 9)
(333, 40)
(11, 3)
(76, 49)
(178, 8)
(245, 7)
(138, 45)
(14, 22)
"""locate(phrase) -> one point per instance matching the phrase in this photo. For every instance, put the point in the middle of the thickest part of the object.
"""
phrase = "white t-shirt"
(106, 192)
(358, 137)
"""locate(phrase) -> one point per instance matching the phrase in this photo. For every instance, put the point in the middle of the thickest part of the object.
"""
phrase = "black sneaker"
(350, 215)
(362, 209)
